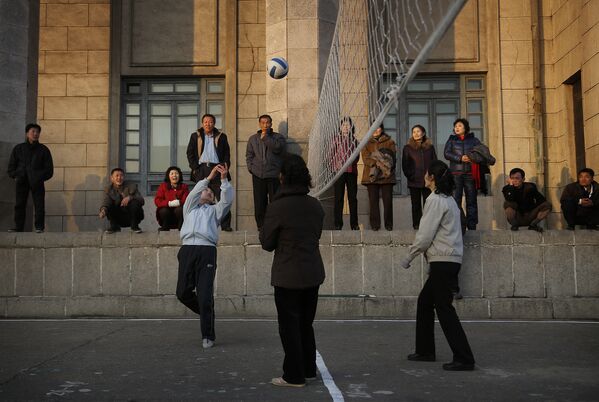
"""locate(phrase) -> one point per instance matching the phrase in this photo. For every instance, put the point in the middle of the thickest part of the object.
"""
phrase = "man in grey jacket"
(197, 256)
(264, 156)
(122, 203)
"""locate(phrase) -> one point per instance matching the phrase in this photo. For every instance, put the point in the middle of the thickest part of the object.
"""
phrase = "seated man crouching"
(524, 205)
(580, 201)
(122, 203)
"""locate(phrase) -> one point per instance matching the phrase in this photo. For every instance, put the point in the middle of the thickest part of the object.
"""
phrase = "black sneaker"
(457, 366)
(514, 228)
(112, 229)
(14, 230)
(39, 230)
(536, 228)
(416, 357)
(229, 229)
(135, 229)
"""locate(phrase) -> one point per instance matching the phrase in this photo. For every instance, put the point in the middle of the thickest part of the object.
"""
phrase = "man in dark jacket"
(297, 268)
(207, 148)
(524, 205)
(580, 201)
(263, 155)
(30, 165)
(122, 203)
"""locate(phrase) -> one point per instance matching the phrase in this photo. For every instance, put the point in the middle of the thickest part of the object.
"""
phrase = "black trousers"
(436, 295)
(170, 217)
(374, 194)
(38, 193)
(349, 180)
(195, 284)
(264, 191)
(214, 184)
(464, 184)
(130, 215)
(418, 196)
(575, 214)
(296, 309)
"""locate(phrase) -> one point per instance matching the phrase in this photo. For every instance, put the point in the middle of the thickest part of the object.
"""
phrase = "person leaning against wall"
(30, 165)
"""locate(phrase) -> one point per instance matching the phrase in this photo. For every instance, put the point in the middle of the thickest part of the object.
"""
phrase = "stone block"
(258, 268)
(84, 178)
(347, 270)
(405, 307)
(88, 306)
(559, 270)
(472, 238)
(496, 237)
(587, 270)
(7, 272)
(251, 35)
(558, 237)
(528, 271)
(62, 240)
(67, 15)
(575, 308)
(93, 199)
(248, 12)
(8, 239)
(97, 108)
(376, 237)
(527, 237)
(589, 237)
(403, 237)
(144, 271)
(35, 307)
(247, 106)
(88, 131)
(251, 83)
(170, 238)
(472, 308)
(470, 277)
(229, 306)
(87, 239)
(86, 271)
(235, 238)
(515, 101)
(29, 271)
(144, 238)
(89, 38)
(65, 62)
(378, 270)
(304, 92)
(154, 307)
(52, 85)
(525, 309)
(259, 306)
(116, 271)
(53, 133)
(497, 272)
(65, 203)
(326, 237)
(87, 85)
(53, 38)
(252, 237)
(168, 270)
(230, 272)
(65, 108)
(407, 282)
(68, 154)
(326, 253)
(347, 237)
(58, 272)
(30, 239)
(302, 33)
(99, 15)
(339, 307)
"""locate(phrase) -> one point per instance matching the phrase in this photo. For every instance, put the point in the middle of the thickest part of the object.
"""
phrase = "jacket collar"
(383, 138)
(426, 144)
(215, 132)
(288, 190)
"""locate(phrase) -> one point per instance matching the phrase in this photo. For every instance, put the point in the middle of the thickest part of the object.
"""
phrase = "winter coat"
(574, 192)
(456, 148)
(264, 156)
(343, 146)
(373, 145)
(416, 159)
(525, 199)
(295, 238)
(113, 197)
(32, 162)
(167, 193)
(195, 148)
(482, 155)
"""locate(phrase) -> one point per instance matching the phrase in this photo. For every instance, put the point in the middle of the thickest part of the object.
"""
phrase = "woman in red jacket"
(170, 198)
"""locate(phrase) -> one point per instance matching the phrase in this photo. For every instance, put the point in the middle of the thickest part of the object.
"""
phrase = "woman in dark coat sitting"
(169, 199)
(292, 228)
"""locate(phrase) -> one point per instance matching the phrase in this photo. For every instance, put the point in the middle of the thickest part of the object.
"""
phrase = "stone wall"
(521, 275)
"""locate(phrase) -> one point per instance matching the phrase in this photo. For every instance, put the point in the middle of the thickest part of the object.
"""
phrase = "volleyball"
(277, 68)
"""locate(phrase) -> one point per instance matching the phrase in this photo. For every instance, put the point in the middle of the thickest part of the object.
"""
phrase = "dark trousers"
(296, 309)
(195, 284)
(130, 215)
(214, 184)
(375, 191)
(170, 218)
(436, 296)
(38, 194)
(264, 192)
(575, 214)
(527, 218)
(418, 196)
(349, 180)
(464, 184)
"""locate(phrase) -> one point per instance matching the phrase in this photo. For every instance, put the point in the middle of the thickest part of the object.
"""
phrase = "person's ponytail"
(444, 181)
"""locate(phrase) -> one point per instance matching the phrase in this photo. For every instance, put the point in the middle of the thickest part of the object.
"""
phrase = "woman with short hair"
(169, 200)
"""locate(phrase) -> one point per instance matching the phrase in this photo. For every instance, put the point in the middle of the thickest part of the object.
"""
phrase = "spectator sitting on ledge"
(169, 200)
(524, 205)
(580, 201)
(122, 203)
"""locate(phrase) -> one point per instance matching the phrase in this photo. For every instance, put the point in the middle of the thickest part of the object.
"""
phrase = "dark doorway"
(577, 119)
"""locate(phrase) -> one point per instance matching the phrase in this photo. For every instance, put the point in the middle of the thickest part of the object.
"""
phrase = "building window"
(158, 116)
(435, 102)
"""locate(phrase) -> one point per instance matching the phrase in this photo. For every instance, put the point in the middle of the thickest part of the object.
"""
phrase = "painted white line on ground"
(328, 379)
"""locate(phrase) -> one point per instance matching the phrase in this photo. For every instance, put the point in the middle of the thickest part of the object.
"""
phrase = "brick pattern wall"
(73, 108)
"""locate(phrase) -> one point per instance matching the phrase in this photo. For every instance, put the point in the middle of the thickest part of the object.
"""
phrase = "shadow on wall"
(86, 219)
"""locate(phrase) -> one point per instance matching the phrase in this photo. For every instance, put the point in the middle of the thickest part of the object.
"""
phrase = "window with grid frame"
(435, 102)
(157, 119)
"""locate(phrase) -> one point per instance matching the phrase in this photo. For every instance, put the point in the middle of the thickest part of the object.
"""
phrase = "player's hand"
(102, 213)
(125, 201)
(465, 159)
(405, 263)
(223, 171)
(213, 173)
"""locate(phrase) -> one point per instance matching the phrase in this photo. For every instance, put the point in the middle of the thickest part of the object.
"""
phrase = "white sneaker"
(207, 343)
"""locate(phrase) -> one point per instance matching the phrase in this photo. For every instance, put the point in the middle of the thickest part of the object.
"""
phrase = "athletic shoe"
(14, 230)
(355, 228)
(207, 343)
(514, 228)
(135, 229)
(416, 357)
(39, 230)
(229, 229)
(457, 366)
(536, 228)
(280, 382)
(112, 229)
(311, 378)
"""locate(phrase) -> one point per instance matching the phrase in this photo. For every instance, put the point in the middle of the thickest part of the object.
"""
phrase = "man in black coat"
(524, 205)
(580, 201)
(30, 165)
(207, 148)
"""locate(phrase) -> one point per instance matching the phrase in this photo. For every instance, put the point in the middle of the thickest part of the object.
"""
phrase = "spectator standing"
(343, 145)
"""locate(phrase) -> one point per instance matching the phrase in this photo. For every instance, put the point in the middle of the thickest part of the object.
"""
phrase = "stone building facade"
(122, 82)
